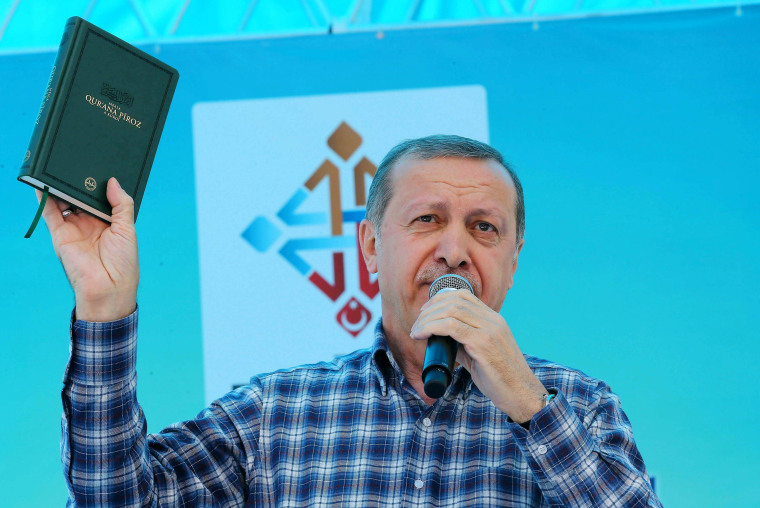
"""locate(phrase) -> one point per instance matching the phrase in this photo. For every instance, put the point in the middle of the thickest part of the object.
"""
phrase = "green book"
(101, 116)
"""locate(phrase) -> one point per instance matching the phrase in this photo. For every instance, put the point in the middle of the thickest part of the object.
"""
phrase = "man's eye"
(425, 218)
(485, 227)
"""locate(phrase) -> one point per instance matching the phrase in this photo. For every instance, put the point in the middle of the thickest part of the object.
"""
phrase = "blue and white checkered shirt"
(351, 432)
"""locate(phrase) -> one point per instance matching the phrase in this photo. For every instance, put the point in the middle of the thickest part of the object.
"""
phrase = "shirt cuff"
(102, 353)
(557, 441)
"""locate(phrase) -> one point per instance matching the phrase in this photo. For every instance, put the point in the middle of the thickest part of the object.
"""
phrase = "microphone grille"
(449, 282)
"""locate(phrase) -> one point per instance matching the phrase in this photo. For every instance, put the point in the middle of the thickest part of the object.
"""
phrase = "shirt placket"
(417, 478)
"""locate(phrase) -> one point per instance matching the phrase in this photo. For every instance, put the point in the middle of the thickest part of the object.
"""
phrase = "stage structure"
(35, 24)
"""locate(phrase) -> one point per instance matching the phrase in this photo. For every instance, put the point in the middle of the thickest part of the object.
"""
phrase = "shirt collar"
(386, 366)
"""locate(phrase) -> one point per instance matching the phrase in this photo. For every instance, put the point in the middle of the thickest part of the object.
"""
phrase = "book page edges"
(66, 197)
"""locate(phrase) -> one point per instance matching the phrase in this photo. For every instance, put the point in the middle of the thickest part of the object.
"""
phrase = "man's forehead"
(413, 164)
(459, 169)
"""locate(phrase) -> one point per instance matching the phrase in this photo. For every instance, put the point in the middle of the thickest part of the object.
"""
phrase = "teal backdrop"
(637, 141)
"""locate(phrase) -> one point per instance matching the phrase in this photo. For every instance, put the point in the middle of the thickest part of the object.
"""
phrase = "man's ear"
(517, 253)
(368, 244)
(514, 262)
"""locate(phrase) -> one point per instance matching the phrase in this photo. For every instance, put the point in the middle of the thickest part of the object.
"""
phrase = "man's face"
(447, 215)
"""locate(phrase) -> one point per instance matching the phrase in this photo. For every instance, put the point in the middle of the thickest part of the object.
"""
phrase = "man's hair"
(435, 147)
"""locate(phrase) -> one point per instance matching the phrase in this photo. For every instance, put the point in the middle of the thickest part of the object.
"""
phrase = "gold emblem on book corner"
(27, 155)
(90, 183)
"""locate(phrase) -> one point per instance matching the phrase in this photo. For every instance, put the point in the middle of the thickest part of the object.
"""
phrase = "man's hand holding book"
(100, 260)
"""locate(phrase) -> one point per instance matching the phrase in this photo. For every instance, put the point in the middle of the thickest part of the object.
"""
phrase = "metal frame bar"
(414, 11)
(355, 11)
(145, 23)
(506, 7)
(307, 9)
(181, 15)
(8, 18)
(247, 15)
(361, 12)
(348, 28)
(90, 7)
(324, 11)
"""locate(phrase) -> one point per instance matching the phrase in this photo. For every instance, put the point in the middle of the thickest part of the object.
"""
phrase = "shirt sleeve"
(108, 457)
(587, 460)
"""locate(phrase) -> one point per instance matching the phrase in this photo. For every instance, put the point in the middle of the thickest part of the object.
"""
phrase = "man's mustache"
(430, 273)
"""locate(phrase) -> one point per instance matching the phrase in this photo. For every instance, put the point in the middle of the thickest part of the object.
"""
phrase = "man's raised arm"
(108, 458)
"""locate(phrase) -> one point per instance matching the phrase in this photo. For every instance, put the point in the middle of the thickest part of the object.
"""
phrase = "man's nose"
(453, 247)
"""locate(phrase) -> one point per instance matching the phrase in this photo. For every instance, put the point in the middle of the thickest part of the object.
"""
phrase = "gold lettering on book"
(113, 111)
(46, 98)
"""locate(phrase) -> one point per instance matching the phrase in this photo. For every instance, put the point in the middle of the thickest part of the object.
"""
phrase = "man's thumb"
(123, 206)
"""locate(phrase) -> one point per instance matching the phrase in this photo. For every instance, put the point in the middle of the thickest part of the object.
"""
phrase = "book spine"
(49, 98)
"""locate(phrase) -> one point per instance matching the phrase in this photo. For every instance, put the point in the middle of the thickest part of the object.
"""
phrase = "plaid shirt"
(351, 432)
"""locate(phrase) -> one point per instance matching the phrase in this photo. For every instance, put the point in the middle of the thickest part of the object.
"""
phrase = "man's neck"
(410, 355)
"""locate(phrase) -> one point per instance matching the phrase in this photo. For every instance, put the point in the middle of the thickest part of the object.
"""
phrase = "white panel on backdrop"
(281, 186)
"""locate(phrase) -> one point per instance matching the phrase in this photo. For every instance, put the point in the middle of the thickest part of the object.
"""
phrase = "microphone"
(441, 351)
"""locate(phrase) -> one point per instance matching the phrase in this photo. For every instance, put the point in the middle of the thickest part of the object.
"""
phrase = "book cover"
(102, 114)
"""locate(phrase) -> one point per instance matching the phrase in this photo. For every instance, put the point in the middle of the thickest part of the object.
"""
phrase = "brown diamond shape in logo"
(344, 140)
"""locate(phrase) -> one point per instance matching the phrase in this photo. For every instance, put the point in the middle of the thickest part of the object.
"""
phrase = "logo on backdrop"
(262, 232)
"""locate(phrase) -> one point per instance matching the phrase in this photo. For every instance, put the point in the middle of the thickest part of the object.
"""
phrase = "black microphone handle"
(437, 370)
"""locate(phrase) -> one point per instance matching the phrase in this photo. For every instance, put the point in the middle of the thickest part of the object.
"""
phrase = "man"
(511, 430)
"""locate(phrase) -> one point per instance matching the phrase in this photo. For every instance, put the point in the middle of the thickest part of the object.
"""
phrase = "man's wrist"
(103, 312)
(530, 402)
(532, 405)
(546, 400)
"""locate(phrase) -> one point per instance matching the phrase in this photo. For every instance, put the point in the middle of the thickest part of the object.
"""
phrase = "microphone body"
(441, 351)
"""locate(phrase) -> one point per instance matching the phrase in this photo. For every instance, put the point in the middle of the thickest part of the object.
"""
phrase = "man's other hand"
(487, 349)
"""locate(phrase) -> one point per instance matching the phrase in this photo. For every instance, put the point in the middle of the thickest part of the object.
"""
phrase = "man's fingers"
(444, 325)
(464, 359)
(123, 206)
(451, 312)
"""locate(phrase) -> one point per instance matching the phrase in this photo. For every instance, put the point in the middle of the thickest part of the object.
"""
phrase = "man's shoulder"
(320, 387)
(549, 367)
(574, 383)
(339, 369)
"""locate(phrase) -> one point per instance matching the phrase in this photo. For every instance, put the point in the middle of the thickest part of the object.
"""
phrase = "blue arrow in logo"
(288, 251)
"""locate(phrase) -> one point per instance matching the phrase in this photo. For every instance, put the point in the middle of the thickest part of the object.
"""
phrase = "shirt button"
(418, 484)
(542, 449)
(426, 422)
